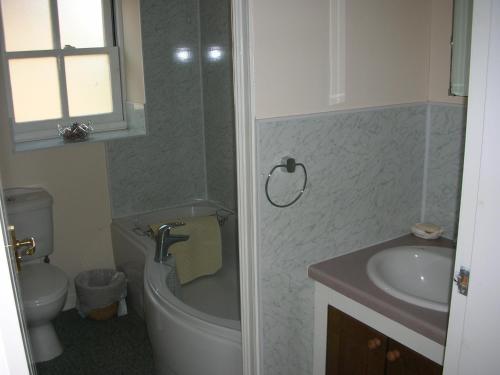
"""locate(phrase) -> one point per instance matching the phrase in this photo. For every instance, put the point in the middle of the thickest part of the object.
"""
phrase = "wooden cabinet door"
(404, 361)
(352, 347)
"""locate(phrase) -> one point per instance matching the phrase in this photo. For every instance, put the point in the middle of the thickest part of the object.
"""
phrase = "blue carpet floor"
(119, 346)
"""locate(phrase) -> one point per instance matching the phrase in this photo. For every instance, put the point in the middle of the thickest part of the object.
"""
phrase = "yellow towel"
(200, 255)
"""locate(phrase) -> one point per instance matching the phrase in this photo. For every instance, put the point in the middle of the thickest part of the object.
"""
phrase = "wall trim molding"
(341, 111)
(445, 104)
(357, 110)
(337, 52)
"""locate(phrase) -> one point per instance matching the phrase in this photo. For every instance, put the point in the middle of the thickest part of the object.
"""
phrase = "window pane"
(35, 89)
(81, 23)
(27, 25)
(88, 80)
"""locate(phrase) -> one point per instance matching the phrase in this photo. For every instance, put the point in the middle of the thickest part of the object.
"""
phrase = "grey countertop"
(347, 275)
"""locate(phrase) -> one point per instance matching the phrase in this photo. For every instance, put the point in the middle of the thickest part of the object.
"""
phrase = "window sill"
(136, 127)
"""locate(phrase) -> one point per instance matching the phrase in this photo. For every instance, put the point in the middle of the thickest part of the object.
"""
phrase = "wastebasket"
(101, 293)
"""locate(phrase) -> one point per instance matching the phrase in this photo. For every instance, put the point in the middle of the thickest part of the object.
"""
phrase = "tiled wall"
(188, 109)
(168, 165)
(215, 26)
(444, 171)
(366, 173)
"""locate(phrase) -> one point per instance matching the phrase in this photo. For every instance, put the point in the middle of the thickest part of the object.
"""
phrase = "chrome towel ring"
(290, 165)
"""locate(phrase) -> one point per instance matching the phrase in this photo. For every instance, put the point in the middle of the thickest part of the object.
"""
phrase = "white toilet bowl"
(43, 288)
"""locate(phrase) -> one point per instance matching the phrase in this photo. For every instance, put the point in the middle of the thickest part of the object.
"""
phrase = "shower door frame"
(246, 183)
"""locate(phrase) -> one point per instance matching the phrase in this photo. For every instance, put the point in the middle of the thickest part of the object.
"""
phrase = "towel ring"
(290, 165)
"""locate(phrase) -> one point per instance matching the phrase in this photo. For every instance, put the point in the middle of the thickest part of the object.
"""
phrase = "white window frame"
(47, 129)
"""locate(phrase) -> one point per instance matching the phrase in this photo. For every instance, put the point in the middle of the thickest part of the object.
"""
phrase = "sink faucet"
(164, 240)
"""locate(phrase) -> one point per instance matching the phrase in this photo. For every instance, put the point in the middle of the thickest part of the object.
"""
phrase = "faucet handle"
(171, 225)
(175, 224)
(152, 233)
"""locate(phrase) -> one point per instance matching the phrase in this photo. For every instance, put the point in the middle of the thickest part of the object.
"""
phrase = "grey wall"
(445, 161)
(169, 165)
(215, 25)
(366, 173)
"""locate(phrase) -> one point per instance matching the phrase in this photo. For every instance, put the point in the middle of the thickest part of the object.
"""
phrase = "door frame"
(247, 182)
(15, 353)
(471, 243)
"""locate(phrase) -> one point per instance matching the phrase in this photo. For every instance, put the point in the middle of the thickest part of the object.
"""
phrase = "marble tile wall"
(445, 161)
(365, 186)
(167, 166)
(218, 107)
(189, 150)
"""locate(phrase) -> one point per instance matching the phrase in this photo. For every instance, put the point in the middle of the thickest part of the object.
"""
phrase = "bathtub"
(194, 329)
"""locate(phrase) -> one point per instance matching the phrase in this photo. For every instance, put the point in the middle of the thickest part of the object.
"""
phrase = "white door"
(473, 340)
(15, 354)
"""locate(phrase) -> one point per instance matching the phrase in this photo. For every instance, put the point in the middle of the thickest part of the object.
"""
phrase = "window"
(61, 65)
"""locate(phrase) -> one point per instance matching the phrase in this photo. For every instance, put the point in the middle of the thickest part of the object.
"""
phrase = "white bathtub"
(194, 329)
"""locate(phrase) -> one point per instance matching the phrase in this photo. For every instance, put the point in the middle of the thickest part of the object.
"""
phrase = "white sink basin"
(420, 275)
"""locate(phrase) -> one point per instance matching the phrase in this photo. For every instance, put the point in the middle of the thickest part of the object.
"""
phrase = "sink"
(420, 275)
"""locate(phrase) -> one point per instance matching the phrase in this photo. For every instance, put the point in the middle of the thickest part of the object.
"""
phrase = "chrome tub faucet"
(164, 240)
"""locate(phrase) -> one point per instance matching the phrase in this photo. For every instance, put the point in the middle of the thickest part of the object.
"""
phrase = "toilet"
(43, 286)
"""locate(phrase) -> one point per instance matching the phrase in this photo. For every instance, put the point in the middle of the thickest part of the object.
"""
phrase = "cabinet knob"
(393, 355)
(374, 343)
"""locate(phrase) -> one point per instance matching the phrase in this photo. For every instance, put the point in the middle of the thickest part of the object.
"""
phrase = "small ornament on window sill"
(76, 132)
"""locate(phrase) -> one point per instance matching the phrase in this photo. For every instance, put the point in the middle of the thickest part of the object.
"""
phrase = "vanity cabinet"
(353, 348)
(404, 361)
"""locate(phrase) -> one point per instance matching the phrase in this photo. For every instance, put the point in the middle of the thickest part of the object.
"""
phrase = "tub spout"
(164, 240)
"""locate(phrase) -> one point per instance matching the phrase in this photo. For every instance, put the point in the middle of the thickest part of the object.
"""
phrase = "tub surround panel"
(167, 166)
(218, 101)
(365, 171)
(445, 162)
(189, 150)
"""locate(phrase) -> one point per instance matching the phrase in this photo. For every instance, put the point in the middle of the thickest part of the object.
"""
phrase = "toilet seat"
(41, 284)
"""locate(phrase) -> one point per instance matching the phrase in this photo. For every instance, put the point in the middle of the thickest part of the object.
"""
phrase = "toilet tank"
(30, 211)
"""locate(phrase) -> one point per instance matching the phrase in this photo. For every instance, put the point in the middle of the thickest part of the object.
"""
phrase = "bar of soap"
(427, 231)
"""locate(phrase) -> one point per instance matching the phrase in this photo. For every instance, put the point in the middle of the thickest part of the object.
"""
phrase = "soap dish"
(427, 231)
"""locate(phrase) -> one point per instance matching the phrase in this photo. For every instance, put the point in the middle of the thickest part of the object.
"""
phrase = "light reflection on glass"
(215, 53)
(183, 54)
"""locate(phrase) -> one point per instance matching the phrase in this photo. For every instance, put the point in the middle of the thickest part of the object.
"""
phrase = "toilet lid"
(42, 283)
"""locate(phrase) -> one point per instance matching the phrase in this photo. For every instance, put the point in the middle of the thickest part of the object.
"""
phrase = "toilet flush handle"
(28, 244)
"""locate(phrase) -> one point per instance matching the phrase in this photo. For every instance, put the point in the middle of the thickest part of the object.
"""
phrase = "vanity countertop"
(347, 275)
